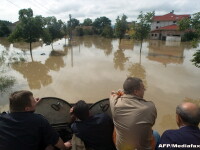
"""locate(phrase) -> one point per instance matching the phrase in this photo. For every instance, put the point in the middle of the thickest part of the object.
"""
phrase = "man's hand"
(118, 93)
(68, 144)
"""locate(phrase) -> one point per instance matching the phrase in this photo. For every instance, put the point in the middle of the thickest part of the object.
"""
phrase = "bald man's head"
(189, 113)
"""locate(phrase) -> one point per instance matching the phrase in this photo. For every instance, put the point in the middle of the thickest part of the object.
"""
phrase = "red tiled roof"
(170, 27)
(170, 17)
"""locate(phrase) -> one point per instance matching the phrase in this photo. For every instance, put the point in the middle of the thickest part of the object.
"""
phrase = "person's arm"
(60, 144)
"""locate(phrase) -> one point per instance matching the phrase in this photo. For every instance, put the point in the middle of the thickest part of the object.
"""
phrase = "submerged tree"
(121, 26)
(65, 30)
(4, 30)
(100, 23)
(53, 30)
(87, 22)
(193, 25)
(29, 29)
(143, 27)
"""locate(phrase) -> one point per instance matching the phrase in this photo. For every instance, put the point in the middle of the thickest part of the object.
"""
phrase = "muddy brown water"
(94, 66)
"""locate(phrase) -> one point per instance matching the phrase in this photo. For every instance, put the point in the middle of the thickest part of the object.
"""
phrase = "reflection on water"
(91, 66)
(35, 72)
(126, 44)
(166, 52)
(137, 70)
(119, 59)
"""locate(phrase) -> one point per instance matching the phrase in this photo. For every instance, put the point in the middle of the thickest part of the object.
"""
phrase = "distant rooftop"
(170, 17)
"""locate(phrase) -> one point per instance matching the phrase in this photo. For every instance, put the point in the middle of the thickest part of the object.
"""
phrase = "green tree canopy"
(74, 23)
(121, 26)
(4, 30)
(53, 30)
(29, 29)
(193, 25)
(100, 23)
(143, 27)
(87, 22)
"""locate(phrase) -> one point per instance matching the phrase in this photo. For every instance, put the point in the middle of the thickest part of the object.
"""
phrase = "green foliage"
(7, 23)
(121, 26)
(184, 24)
(88, 31)
(189, 36)
(74, 23)
(6, 82)
(196, 59)
(4, 30)
(80, 31)
(192, 24)
(195, 22)
(87, 22)
(65, 30)
(29, 29)
(53, 30)
(142, 28)
(100, 23)
(107, 32)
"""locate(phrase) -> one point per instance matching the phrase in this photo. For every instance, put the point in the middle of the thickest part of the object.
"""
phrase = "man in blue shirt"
(187, 137)
(22, 129)
(95, 131)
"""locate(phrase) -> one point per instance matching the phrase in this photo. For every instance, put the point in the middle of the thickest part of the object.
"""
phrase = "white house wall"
(156, 25)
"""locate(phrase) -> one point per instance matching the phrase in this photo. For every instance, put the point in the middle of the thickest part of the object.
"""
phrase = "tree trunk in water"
(141, 45)
(65, 40)
(141, 50)
(52, 45)
(31, 51)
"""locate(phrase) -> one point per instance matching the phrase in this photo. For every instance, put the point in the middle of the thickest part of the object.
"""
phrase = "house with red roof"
(165, 26)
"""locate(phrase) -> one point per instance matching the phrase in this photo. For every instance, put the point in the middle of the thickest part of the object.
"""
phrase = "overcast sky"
(81, 9)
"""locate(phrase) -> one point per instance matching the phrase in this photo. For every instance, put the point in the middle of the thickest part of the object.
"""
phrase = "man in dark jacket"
(187, 137)
(95, 131)
(22, 129)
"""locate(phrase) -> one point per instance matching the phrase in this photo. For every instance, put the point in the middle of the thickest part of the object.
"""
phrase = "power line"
(45, 7)
(13, 3)
(41, 6)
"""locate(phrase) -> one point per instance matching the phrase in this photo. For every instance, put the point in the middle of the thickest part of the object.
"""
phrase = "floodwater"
(94, 66)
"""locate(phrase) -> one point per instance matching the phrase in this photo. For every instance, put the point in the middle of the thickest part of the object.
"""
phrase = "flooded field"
(94, 66)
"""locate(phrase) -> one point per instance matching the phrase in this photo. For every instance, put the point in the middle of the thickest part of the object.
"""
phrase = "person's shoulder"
(39, 117)
(171, 132)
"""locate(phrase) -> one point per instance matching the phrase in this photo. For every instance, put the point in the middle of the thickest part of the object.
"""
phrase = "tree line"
(31, 29)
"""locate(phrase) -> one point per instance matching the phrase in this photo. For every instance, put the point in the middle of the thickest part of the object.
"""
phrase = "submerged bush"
(6, 82)
(196, 59)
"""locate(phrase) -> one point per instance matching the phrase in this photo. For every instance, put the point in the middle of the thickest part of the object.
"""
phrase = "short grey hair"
(190, 117)
(131, 84)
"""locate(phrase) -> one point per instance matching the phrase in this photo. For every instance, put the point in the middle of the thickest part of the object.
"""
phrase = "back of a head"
(19, 100)
(189, 113)
(131, 84)
(81, 110)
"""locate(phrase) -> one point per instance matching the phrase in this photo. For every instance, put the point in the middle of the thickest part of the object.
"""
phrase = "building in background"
(165, 27)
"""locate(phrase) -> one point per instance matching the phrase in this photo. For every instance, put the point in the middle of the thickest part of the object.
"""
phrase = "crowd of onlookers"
(130, 127)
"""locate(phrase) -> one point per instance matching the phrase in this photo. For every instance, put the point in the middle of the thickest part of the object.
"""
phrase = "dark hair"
(131, 84)
(81, 110)
(190, 117)
(19, 100)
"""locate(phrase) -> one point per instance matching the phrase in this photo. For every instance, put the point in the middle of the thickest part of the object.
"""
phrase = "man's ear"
(179, 120)
(135, 92)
